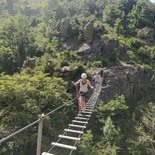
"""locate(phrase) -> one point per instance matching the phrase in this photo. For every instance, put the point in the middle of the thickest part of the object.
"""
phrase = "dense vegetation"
(31, 30)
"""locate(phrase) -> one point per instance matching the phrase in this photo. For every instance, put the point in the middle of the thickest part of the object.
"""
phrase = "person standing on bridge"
(97, 79)
(84, 84)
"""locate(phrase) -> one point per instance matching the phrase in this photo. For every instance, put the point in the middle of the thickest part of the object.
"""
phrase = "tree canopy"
(40, 54)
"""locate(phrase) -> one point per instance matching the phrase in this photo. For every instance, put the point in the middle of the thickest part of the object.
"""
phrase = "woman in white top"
(97, 79)
(84, 84)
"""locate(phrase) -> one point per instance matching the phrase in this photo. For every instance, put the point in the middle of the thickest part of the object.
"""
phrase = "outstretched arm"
(76, 83)
(90, 85)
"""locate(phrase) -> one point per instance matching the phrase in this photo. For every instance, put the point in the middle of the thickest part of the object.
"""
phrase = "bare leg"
(97, 87)
(82, 103)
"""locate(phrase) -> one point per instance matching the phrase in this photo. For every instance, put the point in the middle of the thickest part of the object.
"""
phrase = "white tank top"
(83, 87)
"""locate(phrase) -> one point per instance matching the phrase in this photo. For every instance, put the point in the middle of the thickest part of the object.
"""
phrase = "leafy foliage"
(143, 143)
(109, 140)
(24, 97)
(14, 42)
(31, 29)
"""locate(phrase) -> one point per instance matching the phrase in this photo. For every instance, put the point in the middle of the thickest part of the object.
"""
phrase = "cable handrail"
(52, 147)
(68, 128)
(28, 126)
(35, 122)
(19, 131)
(7, 79)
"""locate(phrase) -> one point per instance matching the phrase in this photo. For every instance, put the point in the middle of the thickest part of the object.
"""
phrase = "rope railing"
(7, 79)
(70, 153)
(19, 131)
(12, 79)
(30, 125)
(38, 120)
(41, 117)
(64, 134)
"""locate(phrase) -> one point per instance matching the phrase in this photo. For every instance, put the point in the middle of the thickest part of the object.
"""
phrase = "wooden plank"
(75, 121)
(87, 112)
(64, 146)
(82, 118)
(83, 115)
(78, 126)
(45, 153)
(69, 137)
(73, 131)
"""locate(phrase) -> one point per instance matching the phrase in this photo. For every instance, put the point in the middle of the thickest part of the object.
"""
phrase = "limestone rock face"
(89, 31)
(123, 80)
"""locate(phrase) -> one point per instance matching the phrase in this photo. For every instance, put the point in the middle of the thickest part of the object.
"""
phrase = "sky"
(152, 1)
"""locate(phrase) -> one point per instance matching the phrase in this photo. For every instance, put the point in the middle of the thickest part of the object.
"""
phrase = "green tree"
(14, 42)
(86, 143)
(22, 98)
(140, 15)
(118, 26)
(144, 142)
(111, 13)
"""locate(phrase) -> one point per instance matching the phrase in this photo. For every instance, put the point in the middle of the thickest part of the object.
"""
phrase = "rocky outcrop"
(30, 62)
(124, 80)
(65, 69)
(89, 31)
(147, 36)
(85, 48)
(99, 30)
(98, 49)
(28, 11)
(146, 33)
(10, 5)
(65, 29)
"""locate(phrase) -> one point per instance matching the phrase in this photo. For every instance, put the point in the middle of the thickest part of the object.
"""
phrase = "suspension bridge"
(71, 136)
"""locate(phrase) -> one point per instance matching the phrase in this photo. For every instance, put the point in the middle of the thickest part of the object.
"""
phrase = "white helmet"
(83, 75)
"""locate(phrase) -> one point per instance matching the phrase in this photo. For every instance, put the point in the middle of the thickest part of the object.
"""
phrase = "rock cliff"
(124, 80)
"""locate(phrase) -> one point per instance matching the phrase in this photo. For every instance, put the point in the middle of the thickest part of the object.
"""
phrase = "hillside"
(44, 45)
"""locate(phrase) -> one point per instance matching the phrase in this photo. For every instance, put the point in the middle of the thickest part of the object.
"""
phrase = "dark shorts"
(84, 94)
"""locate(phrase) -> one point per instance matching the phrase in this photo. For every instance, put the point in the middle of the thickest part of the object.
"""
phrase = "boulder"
(99, 48)
(10, 5)
(65, 29)
(28, 11)
(84, 49)
(30, 62)
(65, 69)
(89, 31)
